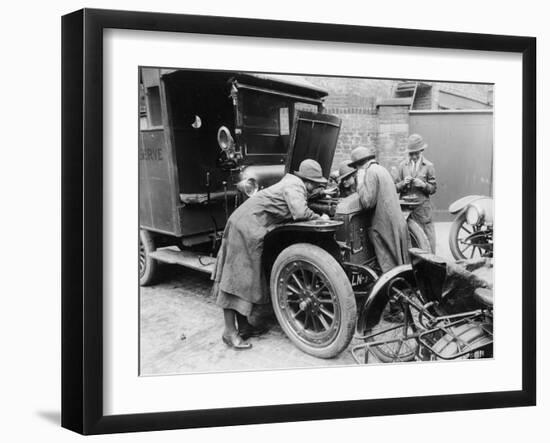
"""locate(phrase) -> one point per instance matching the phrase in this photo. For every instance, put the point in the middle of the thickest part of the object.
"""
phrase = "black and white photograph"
(275, 221)
(295, 221)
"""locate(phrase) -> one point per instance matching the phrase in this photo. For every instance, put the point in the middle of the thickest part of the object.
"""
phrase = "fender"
(462, 203)
(316, 232)
(371, 311)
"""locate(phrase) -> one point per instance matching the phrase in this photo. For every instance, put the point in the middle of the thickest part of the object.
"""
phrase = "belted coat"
(238, 270)
(388, 228)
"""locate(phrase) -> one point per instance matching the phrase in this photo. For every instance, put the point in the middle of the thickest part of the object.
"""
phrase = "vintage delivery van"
(207, 139)
(210, 139)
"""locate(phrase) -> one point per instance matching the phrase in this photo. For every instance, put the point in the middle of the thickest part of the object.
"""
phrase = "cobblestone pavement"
(180, 329)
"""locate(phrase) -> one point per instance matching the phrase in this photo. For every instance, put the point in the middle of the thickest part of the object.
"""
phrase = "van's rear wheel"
(313, 300)
(147, 265)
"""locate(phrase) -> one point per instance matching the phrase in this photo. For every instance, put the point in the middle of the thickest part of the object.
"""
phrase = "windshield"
(266, 122)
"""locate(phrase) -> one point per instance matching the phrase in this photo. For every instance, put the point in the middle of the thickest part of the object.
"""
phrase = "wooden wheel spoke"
(305, 279)
(313, 322)
(317, 282)
(293, 289)
(298, 282)
(320, 288)
(327, 313)
(307, 319)
(295, 314)
(325, 296)
(466, 229)
(322, 320)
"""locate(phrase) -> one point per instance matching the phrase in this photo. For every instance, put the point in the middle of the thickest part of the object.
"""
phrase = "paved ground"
(181, 329)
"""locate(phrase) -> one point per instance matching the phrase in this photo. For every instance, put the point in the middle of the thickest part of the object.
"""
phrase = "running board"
(188, 259)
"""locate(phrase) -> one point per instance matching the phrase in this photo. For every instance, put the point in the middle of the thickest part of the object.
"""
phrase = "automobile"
(211, 139)
(471, 234)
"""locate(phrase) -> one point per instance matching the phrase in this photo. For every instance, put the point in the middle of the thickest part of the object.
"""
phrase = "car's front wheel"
(313, 300)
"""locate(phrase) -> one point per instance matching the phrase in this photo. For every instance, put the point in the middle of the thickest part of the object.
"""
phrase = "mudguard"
(372, 309)
(462, 203)
(317, 232)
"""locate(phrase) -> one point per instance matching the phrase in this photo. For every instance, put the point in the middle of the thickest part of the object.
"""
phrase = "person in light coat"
(240, 284)
(387, 227)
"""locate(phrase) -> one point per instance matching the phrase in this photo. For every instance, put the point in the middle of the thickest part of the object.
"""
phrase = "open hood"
(313, 136)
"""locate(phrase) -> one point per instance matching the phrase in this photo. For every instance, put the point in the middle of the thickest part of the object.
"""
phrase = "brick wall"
(358, 129)
(393, 131)
(354, 101)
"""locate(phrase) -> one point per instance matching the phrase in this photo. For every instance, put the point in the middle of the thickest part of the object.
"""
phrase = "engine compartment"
(352, 235)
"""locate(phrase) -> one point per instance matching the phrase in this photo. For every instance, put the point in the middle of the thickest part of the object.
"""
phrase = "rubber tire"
(453, 236)
(334, 273)
(151, 265)
(416, 231)
(471, 335)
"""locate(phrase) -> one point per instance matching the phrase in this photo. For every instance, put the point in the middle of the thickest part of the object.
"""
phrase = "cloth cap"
(310, 170)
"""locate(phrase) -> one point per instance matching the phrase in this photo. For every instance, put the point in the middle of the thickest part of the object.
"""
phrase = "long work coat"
(388, 229)
(238, 275)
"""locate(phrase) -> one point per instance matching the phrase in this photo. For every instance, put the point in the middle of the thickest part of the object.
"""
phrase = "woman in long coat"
(388, 228)
(239, 280)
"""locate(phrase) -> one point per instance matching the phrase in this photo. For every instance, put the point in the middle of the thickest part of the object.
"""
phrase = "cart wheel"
(460, 242)
(418, 237)
(147, 265)
(313, 300)
(395, 340)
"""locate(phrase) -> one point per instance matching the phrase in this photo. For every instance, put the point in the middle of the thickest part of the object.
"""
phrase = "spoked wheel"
(468, 241)
(392, 339)
(147, 264)
(313, 300)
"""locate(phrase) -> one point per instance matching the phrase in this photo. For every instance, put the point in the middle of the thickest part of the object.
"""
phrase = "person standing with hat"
(387, 228)
(346, 179)
(240, 285)
(416, 181)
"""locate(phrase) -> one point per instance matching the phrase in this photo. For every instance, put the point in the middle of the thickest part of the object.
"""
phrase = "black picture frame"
(82, 220)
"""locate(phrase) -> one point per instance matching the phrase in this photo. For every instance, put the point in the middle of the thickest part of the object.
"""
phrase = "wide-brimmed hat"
(361, 154)
(345, 170)
(311, 170)
(415, 143)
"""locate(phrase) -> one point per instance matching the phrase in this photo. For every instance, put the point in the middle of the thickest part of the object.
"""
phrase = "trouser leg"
(230, 318)
(429, 229)
(423, 216)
